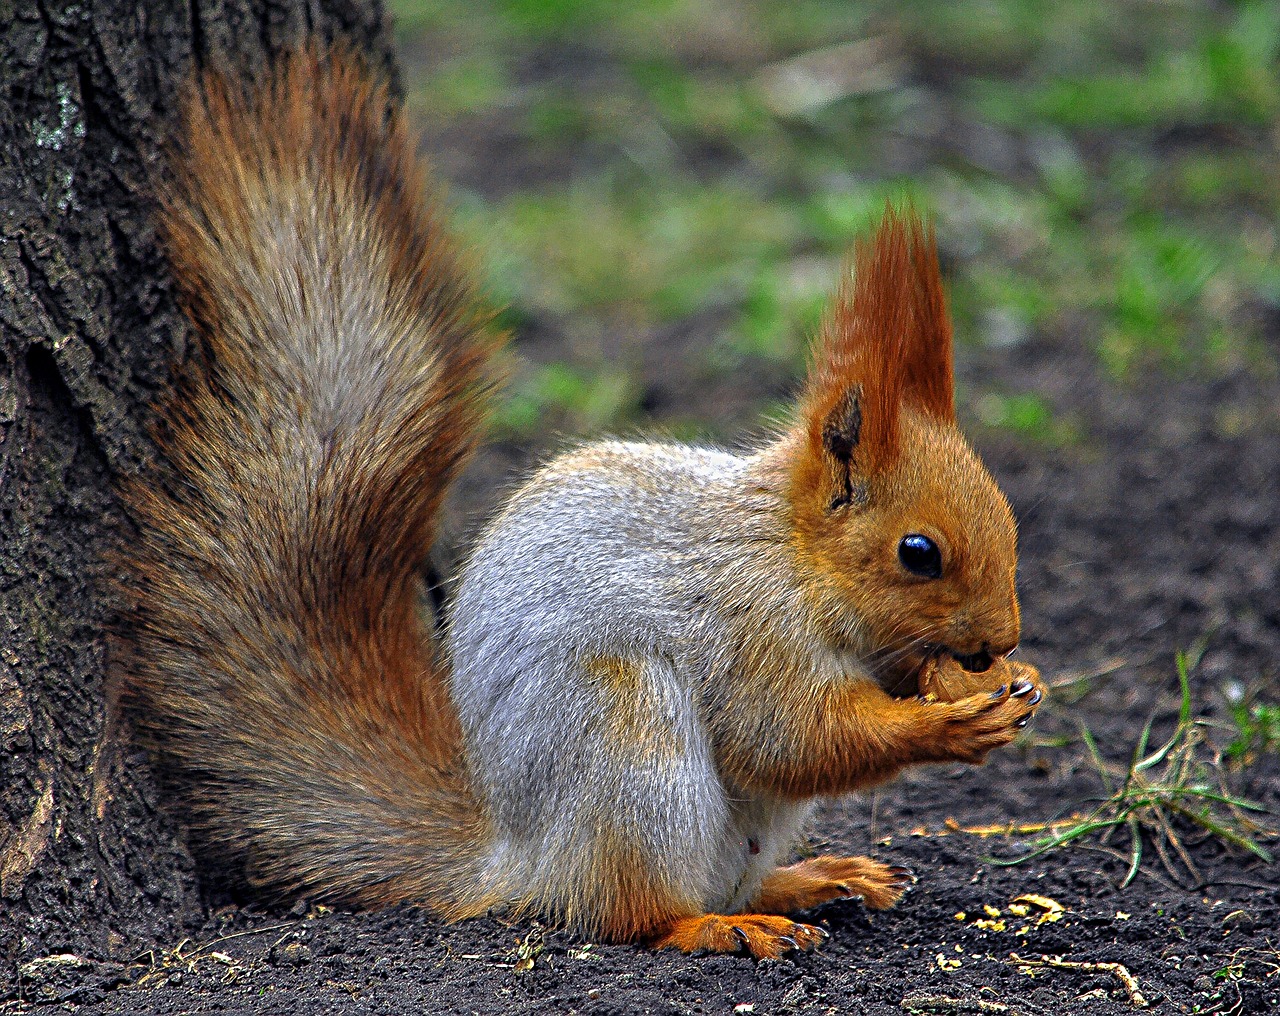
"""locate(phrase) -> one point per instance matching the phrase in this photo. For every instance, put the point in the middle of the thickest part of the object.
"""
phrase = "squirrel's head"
(907, 546)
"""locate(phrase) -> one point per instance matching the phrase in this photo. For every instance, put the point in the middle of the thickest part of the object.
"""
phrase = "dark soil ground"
(1156, 529)
(1153, 526)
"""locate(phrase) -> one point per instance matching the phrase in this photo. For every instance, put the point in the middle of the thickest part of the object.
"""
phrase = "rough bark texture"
(89, 861)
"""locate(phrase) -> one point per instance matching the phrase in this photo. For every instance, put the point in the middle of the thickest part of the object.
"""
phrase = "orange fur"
(847, 735)
(876, 455)
(622, 901)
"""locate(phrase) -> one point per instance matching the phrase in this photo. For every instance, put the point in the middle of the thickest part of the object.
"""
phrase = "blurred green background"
(667, 187)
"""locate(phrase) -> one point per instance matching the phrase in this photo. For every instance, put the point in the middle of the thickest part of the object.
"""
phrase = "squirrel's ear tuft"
(885, 342)
(928, 371)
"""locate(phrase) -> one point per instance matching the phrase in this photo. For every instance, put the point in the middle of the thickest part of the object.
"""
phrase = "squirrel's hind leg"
(826, 878)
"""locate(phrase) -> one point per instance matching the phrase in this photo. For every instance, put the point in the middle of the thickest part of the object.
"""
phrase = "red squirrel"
(659, 656)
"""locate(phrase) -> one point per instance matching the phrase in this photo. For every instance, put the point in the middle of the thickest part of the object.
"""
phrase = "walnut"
(943, 679)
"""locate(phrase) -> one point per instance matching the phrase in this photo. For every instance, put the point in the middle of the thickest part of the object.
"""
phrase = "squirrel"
(658, 656)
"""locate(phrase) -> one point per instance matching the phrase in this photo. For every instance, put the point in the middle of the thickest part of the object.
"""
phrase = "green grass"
(1026, 414)
(563, 398)
(1220, 71)
(1104, 173)
(1161, 794)
(639, 257)
(1257, 730)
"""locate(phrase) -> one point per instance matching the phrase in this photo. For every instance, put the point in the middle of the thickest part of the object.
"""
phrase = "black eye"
(920, 555)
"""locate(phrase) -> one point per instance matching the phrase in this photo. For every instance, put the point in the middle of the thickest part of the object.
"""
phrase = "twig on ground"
(925, 1003)
(1120, 971)
(171, 958)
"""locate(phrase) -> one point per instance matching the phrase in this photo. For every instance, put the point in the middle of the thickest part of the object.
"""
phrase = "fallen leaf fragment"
(528, 950)
(1050, 910)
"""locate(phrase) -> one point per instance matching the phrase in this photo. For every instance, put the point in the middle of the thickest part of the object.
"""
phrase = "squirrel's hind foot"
(764, 936)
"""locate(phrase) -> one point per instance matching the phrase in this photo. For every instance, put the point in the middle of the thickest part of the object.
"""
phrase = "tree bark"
(90, 860)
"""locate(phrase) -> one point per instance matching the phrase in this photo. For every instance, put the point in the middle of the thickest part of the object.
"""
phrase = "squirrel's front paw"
(968, 729)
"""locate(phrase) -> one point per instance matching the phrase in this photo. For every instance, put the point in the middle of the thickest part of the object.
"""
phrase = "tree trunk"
(90, 862)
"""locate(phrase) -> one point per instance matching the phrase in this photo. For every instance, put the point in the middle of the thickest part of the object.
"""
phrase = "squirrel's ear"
(841, 432)
(886, 341)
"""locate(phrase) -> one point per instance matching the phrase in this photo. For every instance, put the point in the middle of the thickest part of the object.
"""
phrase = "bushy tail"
(275, 648)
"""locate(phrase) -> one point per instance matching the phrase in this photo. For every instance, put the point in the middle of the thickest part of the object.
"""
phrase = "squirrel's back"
(275, 619)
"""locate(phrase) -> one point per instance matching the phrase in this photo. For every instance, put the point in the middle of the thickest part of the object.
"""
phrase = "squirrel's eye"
(920, 556)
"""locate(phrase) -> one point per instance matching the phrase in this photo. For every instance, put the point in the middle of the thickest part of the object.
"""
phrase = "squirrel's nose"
(981, 661)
